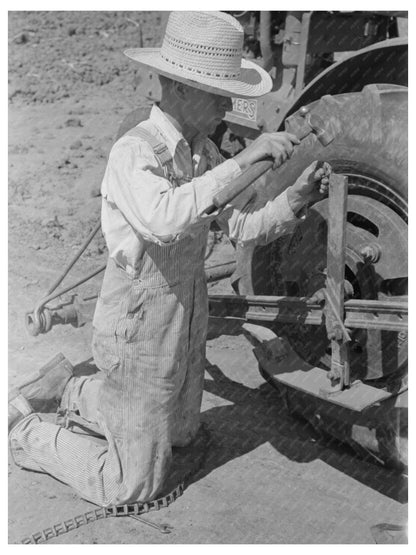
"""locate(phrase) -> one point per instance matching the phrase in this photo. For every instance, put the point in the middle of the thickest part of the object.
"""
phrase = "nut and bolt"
(371, 253)
(335, 334)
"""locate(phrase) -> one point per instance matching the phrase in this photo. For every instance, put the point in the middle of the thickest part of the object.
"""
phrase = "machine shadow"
(258, 416)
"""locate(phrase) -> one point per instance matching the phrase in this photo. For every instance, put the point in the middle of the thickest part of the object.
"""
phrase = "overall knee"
(143, 476)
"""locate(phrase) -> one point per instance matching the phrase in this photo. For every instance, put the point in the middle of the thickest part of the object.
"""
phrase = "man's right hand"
(278, 146)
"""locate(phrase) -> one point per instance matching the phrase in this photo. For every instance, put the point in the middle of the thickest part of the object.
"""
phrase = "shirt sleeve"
(256, 217)
(135, 185)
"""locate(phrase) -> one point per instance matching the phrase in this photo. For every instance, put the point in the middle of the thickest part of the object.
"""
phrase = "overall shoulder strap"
(160, 150)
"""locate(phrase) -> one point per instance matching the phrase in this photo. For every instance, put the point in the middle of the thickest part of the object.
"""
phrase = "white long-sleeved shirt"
(140, 204)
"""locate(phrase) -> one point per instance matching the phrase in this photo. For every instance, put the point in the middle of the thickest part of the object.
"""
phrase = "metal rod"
(334, 291)
(265, 34)
(363, 314)
(74, 259)
(220, 271)
(82, 280)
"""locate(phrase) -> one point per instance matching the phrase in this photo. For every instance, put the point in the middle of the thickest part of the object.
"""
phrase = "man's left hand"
(310, 186)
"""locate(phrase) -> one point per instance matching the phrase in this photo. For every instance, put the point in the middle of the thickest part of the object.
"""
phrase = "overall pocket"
(131, 317)
(106, 317)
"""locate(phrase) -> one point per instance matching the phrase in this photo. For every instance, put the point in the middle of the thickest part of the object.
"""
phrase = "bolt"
(316, 420)
(334, 375)
(335, 334)
(371, 253)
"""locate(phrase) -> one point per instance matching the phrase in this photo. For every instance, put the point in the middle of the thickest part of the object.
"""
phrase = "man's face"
(204, 110)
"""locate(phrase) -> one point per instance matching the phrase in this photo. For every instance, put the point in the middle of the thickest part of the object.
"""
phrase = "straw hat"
(204, 50)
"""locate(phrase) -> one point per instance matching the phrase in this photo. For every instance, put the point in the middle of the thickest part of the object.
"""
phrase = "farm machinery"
(325, 307)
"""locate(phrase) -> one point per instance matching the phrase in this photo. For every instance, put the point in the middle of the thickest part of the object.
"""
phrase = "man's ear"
(180, 90)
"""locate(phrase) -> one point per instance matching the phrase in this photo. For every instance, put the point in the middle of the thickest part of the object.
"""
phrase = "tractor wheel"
(371, 150)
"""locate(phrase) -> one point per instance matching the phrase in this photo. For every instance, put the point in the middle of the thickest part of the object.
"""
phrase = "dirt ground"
(266, 477)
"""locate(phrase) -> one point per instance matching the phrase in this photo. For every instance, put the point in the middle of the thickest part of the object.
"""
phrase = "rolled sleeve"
(219, 178)
(260, 220)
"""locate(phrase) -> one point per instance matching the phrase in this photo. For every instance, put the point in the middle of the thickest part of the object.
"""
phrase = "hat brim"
(253, 80)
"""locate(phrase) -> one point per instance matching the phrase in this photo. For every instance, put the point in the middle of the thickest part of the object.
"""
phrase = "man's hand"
(312, 185)
(278, 146)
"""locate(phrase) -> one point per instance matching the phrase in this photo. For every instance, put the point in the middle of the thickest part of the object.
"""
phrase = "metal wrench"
(163, 528)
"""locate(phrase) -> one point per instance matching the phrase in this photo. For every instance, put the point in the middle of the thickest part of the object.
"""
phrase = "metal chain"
(128, 509)
(132, 509)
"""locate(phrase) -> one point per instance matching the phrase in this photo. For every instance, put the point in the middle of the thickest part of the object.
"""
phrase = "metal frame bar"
(362, 314)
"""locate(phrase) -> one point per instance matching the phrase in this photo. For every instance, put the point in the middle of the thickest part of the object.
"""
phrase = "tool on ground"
(39, 319)
(310, 123)
(162, 528)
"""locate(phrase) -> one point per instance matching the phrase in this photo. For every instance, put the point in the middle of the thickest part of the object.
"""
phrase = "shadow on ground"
(257, 416)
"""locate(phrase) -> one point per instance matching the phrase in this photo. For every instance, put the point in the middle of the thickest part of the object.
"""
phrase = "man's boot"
(43, 392)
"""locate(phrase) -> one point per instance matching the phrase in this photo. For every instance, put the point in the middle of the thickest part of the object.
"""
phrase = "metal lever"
(334, 305)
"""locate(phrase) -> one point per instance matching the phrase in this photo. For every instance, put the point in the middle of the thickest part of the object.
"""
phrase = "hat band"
(227, 51)
(197, 71)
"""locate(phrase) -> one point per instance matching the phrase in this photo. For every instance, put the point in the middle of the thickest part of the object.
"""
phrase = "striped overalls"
(149, 343)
